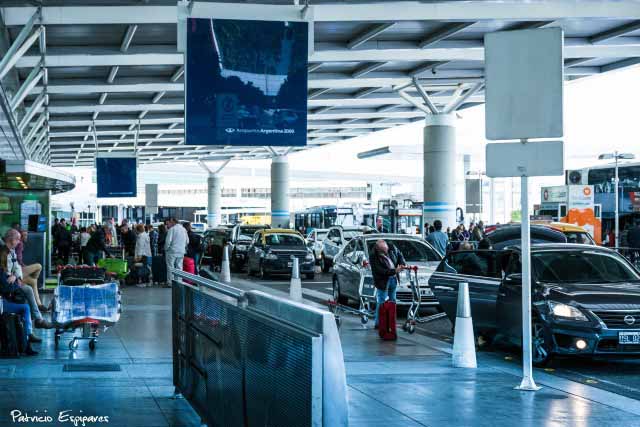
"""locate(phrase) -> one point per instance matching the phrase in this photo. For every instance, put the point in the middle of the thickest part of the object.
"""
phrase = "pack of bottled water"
(99, 302)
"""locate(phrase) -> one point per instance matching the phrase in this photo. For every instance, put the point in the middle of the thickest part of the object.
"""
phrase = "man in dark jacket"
(95, 246)
(385, 265)
(64, 241)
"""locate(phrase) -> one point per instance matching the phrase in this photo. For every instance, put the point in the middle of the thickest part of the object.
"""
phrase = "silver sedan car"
(352, 278)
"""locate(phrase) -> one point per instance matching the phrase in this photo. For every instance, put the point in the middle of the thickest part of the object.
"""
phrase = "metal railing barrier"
(247, 358)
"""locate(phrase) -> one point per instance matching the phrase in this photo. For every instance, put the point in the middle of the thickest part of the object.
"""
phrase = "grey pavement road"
(620, 376)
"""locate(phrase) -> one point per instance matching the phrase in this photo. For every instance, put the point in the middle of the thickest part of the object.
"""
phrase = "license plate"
(426, 292)
(290, 264)
(629, 337)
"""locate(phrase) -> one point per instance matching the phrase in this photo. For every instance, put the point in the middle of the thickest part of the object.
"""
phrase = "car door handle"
(502, 294)
(444, 288)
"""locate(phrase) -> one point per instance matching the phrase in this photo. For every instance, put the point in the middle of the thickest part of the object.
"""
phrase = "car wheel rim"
(540, 351)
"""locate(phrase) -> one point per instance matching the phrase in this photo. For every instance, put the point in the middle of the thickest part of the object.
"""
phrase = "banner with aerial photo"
(246, 82)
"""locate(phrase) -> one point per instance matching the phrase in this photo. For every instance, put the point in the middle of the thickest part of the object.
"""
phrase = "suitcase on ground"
(387, 321)
(159, 269)
(82, 275)
(188, 265)
(12, 335)
(139, 274)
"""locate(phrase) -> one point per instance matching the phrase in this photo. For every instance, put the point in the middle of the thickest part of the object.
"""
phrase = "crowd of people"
(19, 292)
(139, 243)
(443, 241)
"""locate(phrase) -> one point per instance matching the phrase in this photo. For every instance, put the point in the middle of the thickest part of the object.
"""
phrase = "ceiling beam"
(442, 33)
(106, 56)
(615, 32)
(471, 10)
(461, 50)
(368, 34)
(377, 51)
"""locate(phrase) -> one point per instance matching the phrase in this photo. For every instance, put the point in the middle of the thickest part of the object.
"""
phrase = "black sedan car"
(585, 300)
(272, 252)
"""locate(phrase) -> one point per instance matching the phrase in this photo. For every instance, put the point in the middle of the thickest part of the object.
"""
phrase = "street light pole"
(617, 218)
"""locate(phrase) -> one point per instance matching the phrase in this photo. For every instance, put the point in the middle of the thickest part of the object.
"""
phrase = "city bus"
(602, 178)
(323, 217)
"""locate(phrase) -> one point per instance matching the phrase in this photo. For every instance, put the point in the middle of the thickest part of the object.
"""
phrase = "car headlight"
(565, 311)
(309, 257)
(271, 256)
(241, 247)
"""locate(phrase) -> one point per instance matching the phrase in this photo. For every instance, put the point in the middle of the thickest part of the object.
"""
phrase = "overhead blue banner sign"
(246, 82)
(116, 176)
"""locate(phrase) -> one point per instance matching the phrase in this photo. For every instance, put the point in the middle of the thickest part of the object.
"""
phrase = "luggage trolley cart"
(413, 315)
(90, 307)
(364, 311)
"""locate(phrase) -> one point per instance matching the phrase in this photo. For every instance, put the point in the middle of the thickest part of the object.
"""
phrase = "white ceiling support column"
(413, 101)
(454, 97)
(458, 102)
(20, 45)
(430, 105)
(29, 83)
(31, 111)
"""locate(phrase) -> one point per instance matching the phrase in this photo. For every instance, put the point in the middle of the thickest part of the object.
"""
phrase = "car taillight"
(365, 263)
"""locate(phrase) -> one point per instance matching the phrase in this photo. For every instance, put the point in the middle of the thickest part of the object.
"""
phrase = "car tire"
(263, 275)
(337, 295)
(325, 264)
(541, 354)
(309, 276)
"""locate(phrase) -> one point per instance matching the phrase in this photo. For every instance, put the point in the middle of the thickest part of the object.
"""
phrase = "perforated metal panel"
(241, 368)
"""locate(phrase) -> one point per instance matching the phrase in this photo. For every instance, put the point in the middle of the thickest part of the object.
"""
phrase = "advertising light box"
(246, 82)
(116, 176)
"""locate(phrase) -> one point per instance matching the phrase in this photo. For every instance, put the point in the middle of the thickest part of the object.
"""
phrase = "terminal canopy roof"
(374, 65)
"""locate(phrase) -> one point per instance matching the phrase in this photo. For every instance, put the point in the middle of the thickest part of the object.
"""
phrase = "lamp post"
(616, 156)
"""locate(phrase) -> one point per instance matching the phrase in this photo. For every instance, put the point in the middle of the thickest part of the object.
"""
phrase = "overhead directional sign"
(246, 82)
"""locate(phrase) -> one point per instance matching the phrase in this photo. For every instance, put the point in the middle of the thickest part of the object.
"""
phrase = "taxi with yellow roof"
(272, 252)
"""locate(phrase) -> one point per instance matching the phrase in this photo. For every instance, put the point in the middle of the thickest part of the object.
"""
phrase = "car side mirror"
(514, 278)
(355, 258)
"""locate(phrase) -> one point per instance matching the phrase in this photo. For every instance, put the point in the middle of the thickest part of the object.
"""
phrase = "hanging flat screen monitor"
(246, 82)
(116, 176)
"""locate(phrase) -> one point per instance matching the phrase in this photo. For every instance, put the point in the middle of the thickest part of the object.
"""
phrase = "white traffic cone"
(464, 346)
(225, 270)
(295, 290)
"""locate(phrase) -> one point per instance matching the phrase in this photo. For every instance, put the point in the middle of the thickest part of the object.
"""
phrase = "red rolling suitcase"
(387, 321)
(188, 265)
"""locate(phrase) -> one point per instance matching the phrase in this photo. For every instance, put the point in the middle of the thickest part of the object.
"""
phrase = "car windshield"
(412, 250)
(581, 267)
(579, 237)
(247, 232)
(350, 234)
(283, 240)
